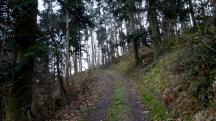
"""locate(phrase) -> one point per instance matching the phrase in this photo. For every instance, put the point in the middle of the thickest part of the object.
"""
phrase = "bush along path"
(118, 102)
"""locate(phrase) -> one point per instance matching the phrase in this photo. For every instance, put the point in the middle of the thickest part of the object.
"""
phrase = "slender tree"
(132, 20)
(67, 45)
(191, 8)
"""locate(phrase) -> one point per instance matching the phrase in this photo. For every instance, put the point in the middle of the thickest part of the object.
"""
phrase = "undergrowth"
(182, 82)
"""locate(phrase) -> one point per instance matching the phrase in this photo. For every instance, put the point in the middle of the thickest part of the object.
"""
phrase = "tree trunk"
(63, 91)
(93, 55)
(117, 46)
(154, 28)
(192, 12)
(2, 44)
(169, 20)
(88, 59)
(1, 108)
(132, 6)
(67, 46)
(20, 98)
(103, 56)
(202, 8)
(166, 34)
(80, 61)
(214, 14)
(98, 56)
(128, 31)
(116, 41)
(75, 62)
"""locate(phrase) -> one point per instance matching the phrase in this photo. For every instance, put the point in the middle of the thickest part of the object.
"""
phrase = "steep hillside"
(181, 84)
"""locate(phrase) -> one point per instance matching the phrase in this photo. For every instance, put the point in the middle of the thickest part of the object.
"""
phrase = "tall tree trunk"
(59, 75)
(116, 44)
(75, 62)
(1, 108)
(88, 59)
(68, 65)
(98, 56)
(80, 61)
(169, 20)
(132, 7)
(2, 46)
(93, 55)
(214, 13)
(154, 28)
(202, 8)
(103, 56)
(192, 12)
(25, 35)
(116, 40)
(63, 91)
(128, 31)
(165, 36)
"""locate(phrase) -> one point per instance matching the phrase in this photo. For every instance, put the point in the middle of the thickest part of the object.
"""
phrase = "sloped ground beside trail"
(85, 100)
(119, 101)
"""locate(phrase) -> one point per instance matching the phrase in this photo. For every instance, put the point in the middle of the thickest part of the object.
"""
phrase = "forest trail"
(118, 102)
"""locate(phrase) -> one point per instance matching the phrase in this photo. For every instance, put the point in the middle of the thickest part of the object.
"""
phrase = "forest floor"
(117, 101)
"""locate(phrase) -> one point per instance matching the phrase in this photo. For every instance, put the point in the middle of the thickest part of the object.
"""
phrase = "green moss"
(184, 61)
(158, 112)
(119, 103)
(150, 85)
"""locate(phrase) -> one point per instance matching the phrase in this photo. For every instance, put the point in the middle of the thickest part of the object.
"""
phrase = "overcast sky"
(40, 5)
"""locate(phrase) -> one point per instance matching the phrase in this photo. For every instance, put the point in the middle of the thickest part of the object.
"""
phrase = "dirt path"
(119, 101)
(99, 111)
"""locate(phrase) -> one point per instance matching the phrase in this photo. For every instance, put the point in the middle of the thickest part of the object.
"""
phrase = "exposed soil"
(101, 110)
(138, 112)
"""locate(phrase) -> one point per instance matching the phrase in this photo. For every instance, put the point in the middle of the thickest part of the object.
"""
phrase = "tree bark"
(57, 60)
(80, 61)
(2, 46)
(192, 12)
(75, 62)
(25, 35)
(68, 65)
(131, 4)
(202, 8)
(63, 91)
(93, 55)
(154, 28)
